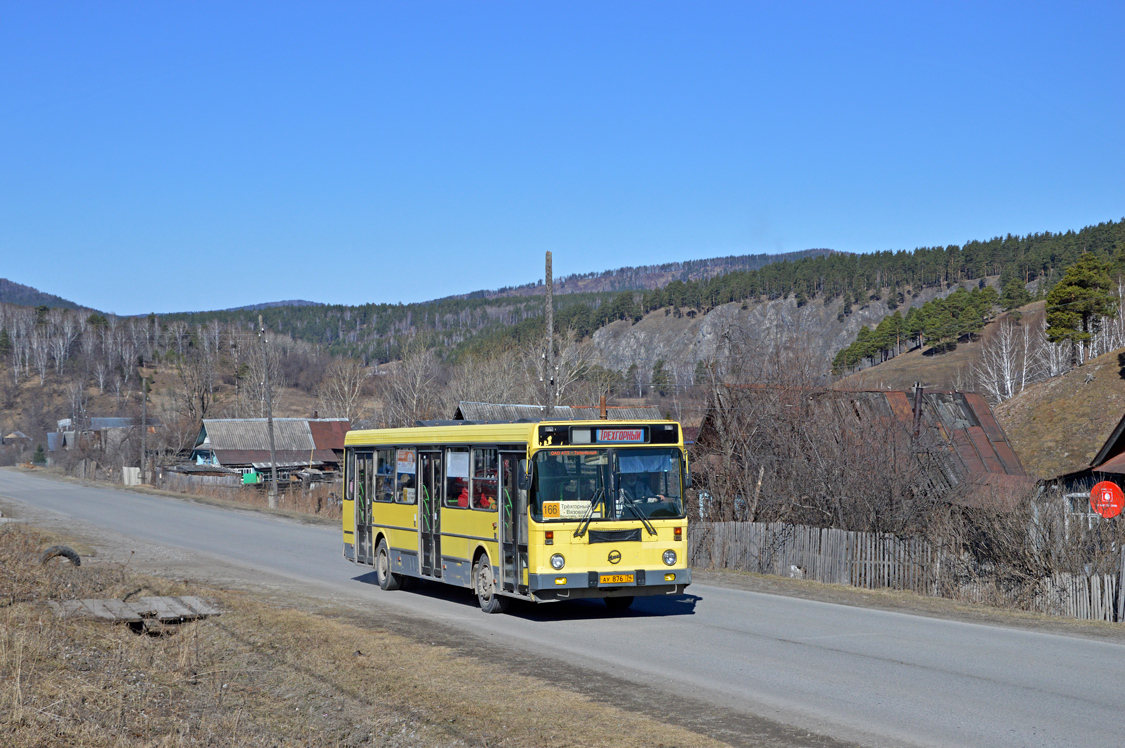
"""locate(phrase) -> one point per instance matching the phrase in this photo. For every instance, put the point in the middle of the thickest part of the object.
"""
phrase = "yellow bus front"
(606, 512)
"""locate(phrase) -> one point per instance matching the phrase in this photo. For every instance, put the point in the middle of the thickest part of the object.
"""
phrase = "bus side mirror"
(687, 479)
(523, 480)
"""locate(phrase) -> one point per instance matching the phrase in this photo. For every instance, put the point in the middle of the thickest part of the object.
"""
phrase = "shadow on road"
(566, 610)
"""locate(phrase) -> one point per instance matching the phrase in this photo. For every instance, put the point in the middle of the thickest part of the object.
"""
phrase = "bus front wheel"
(485, 585)
(618, 603)
(387, 579)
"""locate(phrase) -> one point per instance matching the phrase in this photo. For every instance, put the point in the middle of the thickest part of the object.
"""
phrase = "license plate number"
(615, 579)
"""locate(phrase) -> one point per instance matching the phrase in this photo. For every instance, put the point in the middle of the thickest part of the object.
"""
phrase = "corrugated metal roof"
(329, 434)
(253, 434)
(1112, 465)
(99, 423)
(485, 412)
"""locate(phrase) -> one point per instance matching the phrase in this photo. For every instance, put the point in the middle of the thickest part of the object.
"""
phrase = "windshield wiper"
(589, 515)
(631, 503)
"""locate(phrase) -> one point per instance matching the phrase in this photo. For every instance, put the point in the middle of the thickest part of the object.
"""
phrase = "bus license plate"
(615, 579)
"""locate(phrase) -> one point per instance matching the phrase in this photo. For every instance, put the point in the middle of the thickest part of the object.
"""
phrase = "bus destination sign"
(622, 436)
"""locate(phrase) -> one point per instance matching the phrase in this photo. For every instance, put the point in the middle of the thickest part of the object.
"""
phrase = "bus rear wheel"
(485, 585)
(387, 579)
(619, 603)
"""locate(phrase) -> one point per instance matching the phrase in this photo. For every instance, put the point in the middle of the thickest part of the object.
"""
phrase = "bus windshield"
(620, 484)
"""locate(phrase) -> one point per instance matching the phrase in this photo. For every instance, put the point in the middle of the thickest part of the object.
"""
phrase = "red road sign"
(1107, 499)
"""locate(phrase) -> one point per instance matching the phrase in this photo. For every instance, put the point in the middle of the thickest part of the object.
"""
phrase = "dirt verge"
(262, 675)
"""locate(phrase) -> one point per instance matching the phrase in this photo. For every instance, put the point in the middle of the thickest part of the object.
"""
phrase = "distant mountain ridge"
(272, 304)
(647, 277)
(21, 295)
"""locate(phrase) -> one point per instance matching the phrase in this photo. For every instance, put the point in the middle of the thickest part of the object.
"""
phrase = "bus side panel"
(462, 532)
(399, 525)
(456, 561)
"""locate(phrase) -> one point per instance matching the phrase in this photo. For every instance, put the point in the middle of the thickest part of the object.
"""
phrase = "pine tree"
(5, 343)
(661, 379)
(1077, 304)
(702, 375)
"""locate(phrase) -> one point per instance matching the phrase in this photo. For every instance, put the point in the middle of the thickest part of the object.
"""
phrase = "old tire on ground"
(60, 551)
(386, 578)
(619, 603)
(485, 585)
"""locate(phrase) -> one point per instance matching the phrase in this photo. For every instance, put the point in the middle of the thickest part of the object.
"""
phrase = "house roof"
(329, 434)
(98, 423)
(486, 412)
(976, 446)
(245, 441)
(1111, 457)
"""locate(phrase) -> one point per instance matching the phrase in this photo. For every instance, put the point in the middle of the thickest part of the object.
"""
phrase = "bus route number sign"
(551, 510)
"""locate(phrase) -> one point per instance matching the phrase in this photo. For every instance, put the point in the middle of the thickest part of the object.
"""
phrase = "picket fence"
(874, 561)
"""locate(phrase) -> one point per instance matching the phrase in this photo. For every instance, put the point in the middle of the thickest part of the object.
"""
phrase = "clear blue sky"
(182, 156)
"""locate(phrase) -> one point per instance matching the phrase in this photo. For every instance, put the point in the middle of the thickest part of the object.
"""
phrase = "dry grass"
(1059, 425)
(260, 676)
(320, 500)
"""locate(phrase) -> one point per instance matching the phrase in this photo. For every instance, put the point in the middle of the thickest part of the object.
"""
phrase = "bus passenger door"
(429, 512)
(365, 554)
(513, 531)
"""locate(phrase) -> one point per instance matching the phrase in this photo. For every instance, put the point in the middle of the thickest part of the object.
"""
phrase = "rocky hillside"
(682, 341)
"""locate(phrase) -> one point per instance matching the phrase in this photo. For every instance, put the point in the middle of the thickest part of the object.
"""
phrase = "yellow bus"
(545, 511)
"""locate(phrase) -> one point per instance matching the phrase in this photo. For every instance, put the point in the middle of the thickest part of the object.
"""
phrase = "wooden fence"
(170, 481)
(873, 561)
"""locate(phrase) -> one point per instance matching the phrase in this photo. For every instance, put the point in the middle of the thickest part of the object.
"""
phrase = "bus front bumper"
(574, 585)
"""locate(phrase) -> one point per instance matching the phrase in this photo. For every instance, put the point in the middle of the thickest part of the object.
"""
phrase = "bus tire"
(60, 551)
(485, 585)
(386, 578)
(619, 603)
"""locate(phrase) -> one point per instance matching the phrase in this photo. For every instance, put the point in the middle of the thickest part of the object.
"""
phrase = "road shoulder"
(899, 601)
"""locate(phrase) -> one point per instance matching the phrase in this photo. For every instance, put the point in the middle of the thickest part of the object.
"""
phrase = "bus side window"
(457, 478)
(384, 475)
(485, 467)
(405, 485)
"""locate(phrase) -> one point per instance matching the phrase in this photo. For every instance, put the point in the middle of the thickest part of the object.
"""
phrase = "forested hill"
(17, 293)
(883, 280)
(647, 277)
(271, 304)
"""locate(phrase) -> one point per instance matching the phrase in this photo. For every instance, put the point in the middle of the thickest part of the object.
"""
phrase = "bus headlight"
(557, 561)
(670, 557)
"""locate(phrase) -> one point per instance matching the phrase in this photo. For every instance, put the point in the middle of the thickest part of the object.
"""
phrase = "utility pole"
(269, 413)
(550, 342)
(144, 428)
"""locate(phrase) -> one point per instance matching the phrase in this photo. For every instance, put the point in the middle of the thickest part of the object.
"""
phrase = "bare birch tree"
(342, 391)
(410, 393)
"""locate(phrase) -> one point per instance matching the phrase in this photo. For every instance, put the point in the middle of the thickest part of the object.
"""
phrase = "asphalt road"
(871, 676)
